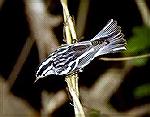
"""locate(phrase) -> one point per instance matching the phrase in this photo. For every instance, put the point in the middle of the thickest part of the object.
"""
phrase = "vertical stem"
(68, 19)
(82, 16)
(72, 79)
(145, 13)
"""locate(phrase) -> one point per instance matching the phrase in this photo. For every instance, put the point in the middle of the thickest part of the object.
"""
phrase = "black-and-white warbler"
(74, 57)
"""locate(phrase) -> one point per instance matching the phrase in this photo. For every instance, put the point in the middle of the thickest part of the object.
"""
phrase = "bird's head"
(44, 69)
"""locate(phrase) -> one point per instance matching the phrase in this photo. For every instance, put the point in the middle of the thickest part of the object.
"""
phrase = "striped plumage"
(74, 57)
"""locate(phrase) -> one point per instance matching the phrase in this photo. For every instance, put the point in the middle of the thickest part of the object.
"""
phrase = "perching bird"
(74, 57)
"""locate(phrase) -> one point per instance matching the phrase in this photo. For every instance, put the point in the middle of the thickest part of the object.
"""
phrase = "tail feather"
(111, 28)
(110, 39)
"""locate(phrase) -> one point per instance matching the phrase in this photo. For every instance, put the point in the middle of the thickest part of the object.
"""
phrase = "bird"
(72, 58)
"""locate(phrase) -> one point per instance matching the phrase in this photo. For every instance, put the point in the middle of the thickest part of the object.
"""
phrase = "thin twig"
(125, 58)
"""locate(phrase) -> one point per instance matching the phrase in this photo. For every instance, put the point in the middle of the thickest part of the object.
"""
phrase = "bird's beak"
(37, 78)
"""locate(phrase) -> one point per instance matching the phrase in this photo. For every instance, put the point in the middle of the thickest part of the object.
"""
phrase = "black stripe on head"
(44, 67)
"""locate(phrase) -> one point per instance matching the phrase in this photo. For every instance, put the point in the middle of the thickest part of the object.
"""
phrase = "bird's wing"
(65, 58)
(83, 53)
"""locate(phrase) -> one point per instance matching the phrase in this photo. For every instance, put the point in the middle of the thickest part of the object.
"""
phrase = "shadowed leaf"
(142, 91)
(139, 43)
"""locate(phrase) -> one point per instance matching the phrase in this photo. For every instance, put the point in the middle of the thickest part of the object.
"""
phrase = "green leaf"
(140, 41)
(140, 62)
(94, 113)
(142, 91)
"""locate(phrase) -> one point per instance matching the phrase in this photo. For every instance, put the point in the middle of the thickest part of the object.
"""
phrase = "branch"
(145, 13)
(41, 26)
(69, 26)
(82, 16)
(20, 61)
(139, 111)
(72, 80)
(1, 3)
(13, 106)
(40, 22)
(51, 102)
(97, 97)
(125, 58)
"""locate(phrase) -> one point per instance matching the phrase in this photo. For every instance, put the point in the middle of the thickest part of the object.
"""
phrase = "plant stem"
(72, 79)
(144, 10)
(125, 58)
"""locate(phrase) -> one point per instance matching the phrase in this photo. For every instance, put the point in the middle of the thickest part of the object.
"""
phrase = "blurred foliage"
(139, 43)
(140, 61)
(142, 91)
(94, 113)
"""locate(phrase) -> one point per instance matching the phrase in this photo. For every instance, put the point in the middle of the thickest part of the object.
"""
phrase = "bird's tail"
(109, 39)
